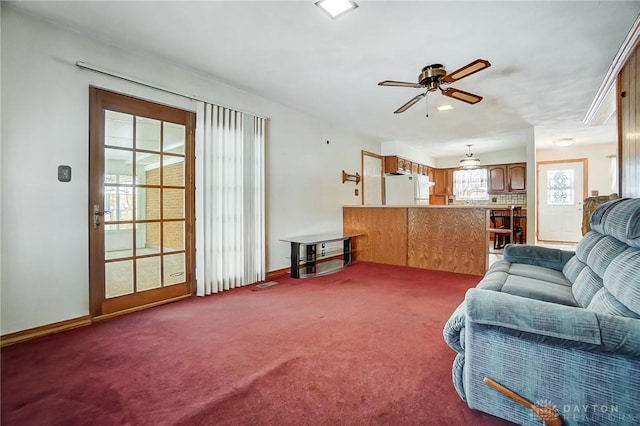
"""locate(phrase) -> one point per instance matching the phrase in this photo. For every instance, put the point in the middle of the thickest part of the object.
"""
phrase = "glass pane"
(173, 171)
(118, 241)
(118, 278)
(174, 269)
(148, 273)
(148, 236)
(118, 166)
(118, 203)
(148, 204)
(173, 138)
(147, 134)
(560, 187)
(173, 236)
(118, 129)
(173, 203)
(147, 168)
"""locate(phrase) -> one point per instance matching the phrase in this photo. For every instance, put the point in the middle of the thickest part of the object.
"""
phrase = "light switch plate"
(64, 173)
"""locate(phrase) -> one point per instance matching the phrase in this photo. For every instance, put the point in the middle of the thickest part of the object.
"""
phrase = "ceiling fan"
(433, 76)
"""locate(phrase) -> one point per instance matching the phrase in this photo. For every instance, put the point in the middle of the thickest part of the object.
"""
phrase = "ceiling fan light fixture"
(336, 8)
(444, 107)
(469, 162)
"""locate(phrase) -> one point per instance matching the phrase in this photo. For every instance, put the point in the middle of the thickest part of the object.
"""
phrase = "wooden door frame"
(100, 99)
(585, 183)
(364, 153)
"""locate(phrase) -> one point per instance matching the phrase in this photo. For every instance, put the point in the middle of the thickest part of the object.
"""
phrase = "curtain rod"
(89, 67)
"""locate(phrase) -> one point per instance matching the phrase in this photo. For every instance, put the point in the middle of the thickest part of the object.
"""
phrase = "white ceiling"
(548, 60)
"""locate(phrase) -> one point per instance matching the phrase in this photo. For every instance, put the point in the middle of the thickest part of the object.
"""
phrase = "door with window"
(141, 203)
(561, 191)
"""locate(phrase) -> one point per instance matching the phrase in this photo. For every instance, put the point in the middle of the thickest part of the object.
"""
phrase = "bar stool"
(501, 227)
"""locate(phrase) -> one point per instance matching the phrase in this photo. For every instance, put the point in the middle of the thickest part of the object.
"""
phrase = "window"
(560, 187)
(470, 185)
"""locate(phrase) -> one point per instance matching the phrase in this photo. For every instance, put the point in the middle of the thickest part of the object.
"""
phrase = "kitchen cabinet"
(440, 180)
(449, 181)
(517, 177)
(497, 176)
(507, 178)
(443, 188)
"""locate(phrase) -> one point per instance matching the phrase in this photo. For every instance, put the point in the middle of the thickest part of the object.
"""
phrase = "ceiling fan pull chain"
(427, 103)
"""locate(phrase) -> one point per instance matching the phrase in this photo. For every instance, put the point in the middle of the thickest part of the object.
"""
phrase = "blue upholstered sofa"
(558, 328)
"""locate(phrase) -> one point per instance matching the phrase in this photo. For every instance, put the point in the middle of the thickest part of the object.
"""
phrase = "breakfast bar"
(450, 238)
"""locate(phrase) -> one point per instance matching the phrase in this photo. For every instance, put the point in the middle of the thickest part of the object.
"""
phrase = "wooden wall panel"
(386, 233)
(628, 107)
(448, 239)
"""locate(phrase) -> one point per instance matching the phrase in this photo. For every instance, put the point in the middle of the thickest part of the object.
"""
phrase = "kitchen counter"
(450, 206)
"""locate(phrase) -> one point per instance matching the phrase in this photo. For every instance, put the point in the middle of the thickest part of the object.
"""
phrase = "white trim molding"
(604, 104)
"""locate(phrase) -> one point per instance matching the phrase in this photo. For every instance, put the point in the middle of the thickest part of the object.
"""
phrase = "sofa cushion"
(603, 253)
(573, 268)
(533, 288)
(622, 279)
(619, 218)
(604, 302)
(586, 286)
(539, 273)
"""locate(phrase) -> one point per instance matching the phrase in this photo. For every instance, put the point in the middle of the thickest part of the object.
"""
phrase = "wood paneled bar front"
(443, 238)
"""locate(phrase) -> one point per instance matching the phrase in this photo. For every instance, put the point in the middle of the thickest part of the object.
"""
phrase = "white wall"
(44, 276)
(599, 163)
(515, 155)
(407, 152)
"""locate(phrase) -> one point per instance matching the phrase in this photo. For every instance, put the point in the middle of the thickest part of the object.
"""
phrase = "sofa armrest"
(552, 323)
(453, 331)
(538, 256)
(532, 316)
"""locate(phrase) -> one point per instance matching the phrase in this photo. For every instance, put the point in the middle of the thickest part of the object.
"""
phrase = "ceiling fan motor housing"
(431, 75)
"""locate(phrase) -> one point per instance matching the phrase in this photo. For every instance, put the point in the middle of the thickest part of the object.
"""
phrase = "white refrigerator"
(402, 190)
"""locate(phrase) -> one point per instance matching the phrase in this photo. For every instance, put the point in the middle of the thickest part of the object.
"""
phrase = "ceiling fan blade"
(400, 84)
(461, 95)
(467, 70)
(409, 104)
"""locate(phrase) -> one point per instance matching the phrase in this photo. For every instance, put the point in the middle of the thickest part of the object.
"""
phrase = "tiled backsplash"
(515, 199)
(509, 199)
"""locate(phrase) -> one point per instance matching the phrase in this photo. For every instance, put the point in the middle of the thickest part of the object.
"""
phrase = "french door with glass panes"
(141, 203)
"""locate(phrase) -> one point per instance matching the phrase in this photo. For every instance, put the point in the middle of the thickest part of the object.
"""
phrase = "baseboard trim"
(58, 327)
(277, 274)
(44, 330)
(140, 308)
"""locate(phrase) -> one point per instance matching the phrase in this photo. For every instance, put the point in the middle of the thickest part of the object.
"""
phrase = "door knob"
(96, 215)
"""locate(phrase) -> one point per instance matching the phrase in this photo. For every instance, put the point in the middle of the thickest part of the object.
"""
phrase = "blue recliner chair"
(559, 328)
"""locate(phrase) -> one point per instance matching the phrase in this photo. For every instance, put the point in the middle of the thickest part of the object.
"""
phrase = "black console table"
(314, 254)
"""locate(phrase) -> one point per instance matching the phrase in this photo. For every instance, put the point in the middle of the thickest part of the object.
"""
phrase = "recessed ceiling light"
(444, 107)
(335, 8)
(563, 141)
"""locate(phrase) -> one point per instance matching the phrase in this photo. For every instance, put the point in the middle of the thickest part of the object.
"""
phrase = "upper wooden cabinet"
(517, 177)
(395, 164)
(507, 178)
(497, 176)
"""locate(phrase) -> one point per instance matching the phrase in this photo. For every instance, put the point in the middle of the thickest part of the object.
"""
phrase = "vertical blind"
(230, 199)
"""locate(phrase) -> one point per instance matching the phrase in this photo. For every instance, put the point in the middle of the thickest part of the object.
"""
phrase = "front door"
(141, 206)
(561, 192)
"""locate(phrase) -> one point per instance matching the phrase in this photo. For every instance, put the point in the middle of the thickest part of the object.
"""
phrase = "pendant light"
(469, 162)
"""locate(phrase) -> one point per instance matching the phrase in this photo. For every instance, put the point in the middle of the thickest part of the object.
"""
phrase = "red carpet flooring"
(360, 347)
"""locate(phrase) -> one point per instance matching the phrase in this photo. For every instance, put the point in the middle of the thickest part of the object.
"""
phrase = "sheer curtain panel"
(230, 199)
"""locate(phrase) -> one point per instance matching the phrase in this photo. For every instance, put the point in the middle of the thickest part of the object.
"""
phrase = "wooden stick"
(547, 413)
